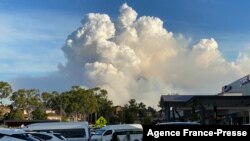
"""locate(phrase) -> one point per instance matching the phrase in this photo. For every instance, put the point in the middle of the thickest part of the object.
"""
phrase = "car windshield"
(60, 136)
(23, 137)
(99, 131)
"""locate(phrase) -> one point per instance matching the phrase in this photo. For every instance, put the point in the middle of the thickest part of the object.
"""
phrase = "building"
(230, 106)
(51, 115)
(240, 87)
(4, 110)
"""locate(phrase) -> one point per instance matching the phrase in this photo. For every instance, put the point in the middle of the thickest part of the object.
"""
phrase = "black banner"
(162, 132)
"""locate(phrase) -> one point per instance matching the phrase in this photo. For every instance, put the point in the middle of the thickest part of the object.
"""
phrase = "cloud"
(136, 57)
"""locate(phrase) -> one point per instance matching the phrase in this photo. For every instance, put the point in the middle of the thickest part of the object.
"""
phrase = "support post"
(167, 113)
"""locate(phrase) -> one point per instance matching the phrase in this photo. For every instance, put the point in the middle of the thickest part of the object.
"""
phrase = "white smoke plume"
(136, 57)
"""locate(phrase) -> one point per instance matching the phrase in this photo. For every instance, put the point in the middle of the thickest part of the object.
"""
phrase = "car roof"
(178, 123)
(56, 125)
(9, 131)
(123, 126)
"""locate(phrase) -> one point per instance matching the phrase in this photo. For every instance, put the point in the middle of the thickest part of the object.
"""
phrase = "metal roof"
(206, 100)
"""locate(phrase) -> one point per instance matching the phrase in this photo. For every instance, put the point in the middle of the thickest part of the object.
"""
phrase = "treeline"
(77, 103)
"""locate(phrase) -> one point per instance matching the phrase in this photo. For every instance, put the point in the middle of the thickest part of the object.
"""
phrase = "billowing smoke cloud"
(136, 57)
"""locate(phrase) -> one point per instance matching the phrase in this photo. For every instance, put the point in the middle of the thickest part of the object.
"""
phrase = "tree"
(142, 112)
(57, 101)
(19, 99)
(39, 114)
(15, 114)
(150, 115)
(134, 112)
(152, 111)
(90, 104)
(26, 100)
(5, 90)
(131, 111)
(81, 102)
(47, 99)
(114, 120)
(104, 106)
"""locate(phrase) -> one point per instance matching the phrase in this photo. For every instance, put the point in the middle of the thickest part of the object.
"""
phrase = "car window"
(61, 137)
(68, 133)
(25, 137)
(42, 136)
(108, 132)
(1, 135)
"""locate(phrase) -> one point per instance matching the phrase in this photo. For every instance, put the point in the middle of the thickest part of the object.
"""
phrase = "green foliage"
(131, 111)
(104, 105)
(47, 99)
(152, 111)
(5, 90)
(16, 114)
(134, 112)
(64, 119)
(39, 114)
(114, 120)
(58, 102)
(26, 99)
(78, 103)
(81, 102)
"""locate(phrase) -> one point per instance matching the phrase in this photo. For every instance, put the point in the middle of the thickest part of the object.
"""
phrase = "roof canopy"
(205, 100)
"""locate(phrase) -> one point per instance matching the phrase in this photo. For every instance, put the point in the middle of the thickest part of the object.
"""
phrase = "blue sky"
(32, 32)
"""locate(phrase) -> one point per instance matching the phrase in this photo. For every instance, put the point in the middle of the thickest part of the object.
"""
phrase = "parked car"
(72, 131)
(178, 123)
(134, 131)
(44, 136)
(93, 130)
(7, 134)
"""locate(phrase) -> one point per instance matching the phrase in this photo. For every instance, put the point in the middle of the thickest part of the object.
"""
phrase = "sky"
(133, 49)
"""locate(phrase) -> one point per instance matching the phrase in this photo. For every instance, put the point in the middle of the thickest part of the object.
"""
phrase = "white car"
(178, 123)
(72, 131)
(47, 136)
(7, 134)
(105, 133)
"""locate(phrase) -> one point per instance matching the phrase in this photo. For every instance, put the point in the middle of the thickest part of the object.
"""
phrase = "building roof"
(206, 100)
(177, 98)
(236, 86)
